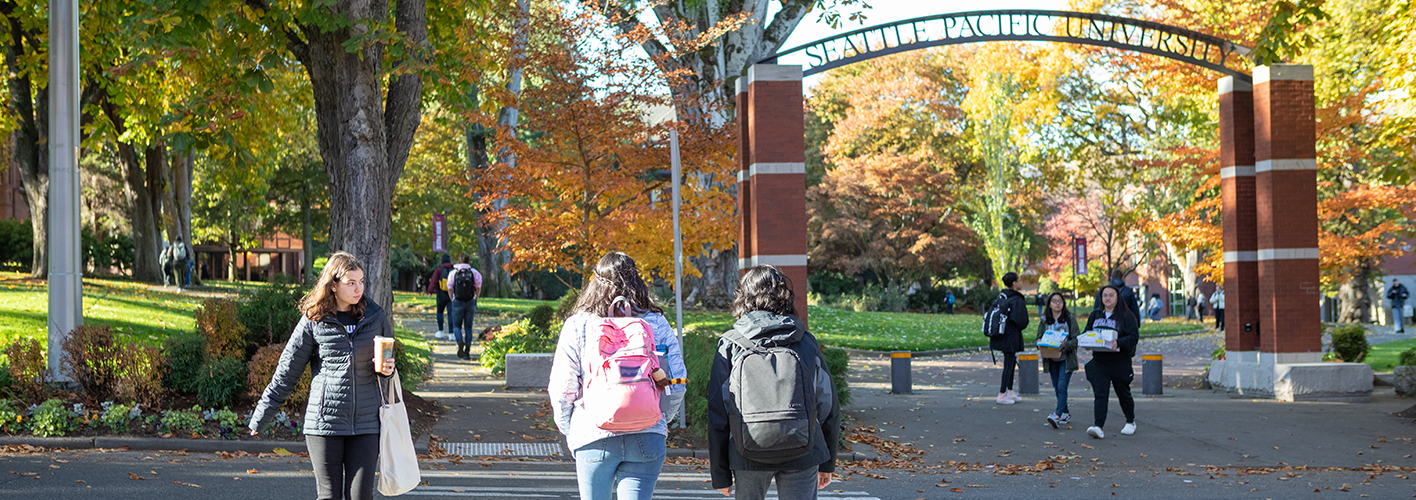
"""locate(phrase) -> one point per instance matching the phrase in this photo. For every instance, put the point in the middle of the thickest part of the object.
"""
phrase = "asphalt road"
(169, 475)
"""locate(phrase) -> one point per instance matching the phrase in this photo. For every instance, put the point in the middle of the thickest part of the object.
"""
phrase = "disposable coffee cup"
(383, 349)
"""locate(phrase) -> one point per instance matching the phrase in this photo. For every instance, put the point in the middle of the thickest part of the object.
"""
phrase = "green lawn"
(1382, 357)
(485, 305)
(134, 312)
(881, 331)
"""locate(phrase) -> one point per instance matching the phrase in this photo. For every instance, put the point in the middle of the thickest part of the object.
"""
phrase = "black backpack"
(995, 320)
(771, 401)
(463, 285)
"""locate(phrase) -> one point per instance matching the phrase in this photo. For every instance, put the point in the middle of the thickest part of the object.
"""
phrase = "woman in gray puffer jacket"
(335, 338)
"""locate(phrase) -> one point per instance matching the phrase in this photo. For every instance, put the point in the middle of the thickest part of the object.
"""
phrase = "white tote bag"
(398, 462)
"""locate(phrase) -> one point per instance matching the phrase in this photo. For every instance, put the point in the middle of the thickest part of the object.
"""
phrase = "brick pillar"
(1286, 197)
(1236, 172)
(772, 173)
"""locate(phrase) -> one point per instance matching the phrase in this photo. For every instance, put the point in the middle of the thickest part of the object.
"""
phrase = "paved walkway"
(952, 416)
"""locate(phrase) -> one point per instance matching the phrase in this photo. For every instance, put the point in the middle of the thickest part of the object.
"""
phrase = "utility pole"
(66, 311)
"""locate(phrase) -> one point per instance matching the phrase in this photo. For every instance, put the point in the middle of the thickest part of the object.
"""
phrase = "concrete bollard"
(900, 373)
(1152, 374)
(1027, 373)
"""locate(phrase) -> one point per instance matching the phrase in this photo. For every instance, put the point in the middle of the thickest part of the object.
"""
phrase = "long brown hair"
(616, 275)
(321, 302)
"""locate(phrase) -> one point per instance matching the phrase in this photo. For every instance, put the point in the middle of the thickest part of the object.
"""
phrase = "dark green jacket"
(1069, 349)
(344, 389)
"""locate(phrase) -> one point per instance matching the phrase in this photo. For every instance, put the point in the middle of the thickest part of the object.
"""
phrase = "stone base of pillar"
(1292, 377)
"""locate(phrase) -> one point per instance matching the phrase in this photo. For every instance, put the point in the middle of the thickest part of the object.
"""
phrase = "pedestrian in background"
(767, 318)
(1010, 343)
(437, 285)
(1112, 370)
(464, 285)
(1058, 317)
(1155, 306)
(949, 303)
(335, 338)
(1200, 304)
(1217, 300)
(626, 464)
(1398, 295)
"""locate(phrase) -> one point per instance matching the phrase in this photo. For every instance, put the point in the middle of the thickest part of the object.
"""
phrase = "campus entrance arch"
(1273, 332)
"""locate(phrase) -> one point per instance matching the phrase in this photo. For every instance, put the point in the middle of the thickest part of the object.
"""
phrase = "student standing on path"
(1011, 342)
(802, 448)
(464, 285)
(1058, 318)
(1398, 295)
(335, 338)
(1108, 370)
(1200, 304)
(1155, 306)
(437, 285)
(606, 462)
(1217, 300)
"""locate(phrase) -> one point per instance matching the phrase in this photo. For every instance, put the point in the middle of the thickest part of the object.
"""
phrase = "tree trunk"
(30, 109)
(364, 136)
(497, 282)
(308, 240)
(1356, 297)
(182, 206)
(145, 227)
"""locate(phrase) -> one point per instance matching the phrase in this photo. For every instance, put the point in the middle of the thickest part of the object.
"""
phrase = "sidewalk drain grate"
(505, 449)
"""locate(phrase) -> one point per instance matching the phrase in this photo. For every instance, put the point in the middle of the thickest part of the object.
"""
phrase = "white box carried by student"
(1103, 340)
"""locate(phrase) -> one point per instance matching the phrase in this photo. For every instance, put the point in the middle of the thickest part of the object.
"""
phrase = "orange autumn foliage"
(590, 166)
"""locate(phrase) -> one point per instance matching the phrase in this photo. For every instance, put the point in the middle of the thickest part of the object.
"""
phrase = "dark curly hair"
(616, 275)
(764, 288)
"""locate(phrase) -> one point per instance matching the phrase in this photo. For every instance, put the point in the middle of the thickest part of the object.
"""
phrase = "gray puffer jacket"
(344, 389)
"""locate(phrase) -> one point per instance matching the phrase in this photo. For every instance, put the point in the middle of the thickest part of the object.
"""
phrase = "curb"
(845, 456)
(170, 444)
(964, 350)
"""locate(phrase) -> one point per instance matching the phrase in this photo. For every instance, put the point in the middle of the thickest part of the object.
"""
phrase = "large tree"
(364, 60)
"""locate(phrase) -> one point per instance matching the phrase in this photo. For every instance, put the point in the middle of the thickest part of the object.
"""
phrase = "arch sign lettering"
(1021, 25)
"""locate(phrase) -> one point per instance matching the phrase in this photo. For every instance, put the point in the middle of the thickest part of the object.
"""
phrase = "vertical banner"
(439, 232)
(1080, 251)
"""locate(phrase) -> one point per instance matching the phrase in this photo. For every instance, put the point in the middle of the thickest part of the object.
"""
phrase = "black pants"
(1219, 319)
(443, 301)
(1010, 361)
(1105, 376)
(344, 465)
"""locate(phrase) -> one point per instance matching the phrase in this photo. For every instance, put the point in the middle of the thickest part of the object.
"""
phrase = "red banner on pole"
(1080, 251)
(439, 232)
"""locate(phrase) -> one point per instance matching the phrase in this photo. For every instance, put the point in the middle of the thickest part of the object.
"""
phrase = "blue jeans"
(1060, 380)
(460, 314)
(628, 464)
(1155, 314)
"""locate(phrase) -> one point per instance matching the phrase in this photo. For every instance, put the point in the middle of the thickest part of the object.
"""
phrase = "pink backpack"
(620, 393)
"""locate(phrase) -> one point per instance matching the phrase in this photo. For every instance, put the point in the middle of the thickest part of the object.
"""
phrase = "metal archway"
(1102, 30)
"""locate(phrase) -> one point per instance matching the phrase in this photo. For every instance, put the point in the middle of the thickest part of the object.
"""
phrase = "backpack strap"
(614, 309)
(737, 338)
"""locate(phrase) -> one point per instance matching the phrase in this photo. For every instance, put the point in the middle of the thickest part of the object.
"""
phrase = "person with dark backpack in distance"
(1112, 370)
(437, 286)
(1398, 295)
(164, 259)
(464, 284)
(772, 411)
(589, 391)
(1005, 323)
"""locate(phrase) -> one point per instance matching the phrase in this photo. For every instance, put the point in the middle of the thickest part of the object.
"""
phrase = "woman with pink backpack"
(607, 385)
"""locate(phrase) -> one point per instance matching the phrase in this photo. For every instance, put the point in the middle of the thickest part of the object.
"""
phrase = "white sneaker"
(1003, 399)
(1129, 429)
(438, 335)
(1014, 396)
(1095, 432)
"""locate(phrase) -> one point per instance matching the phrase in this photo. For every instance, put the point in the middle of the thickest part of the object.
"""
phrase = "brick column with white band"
(772, 173)
(1236, 167)
(1286, 196)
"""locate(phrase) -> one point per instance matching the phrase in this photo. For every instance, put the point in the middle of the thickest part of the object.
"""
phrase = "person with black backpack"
(772, 411)
(1112, 369)
(1398, 295)
(464, 285)
(1003, 325)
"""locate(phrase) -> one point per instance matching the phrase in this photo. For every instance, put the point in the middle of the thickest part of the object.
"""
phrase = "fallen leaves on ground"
(135, 477)
(186, 484)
